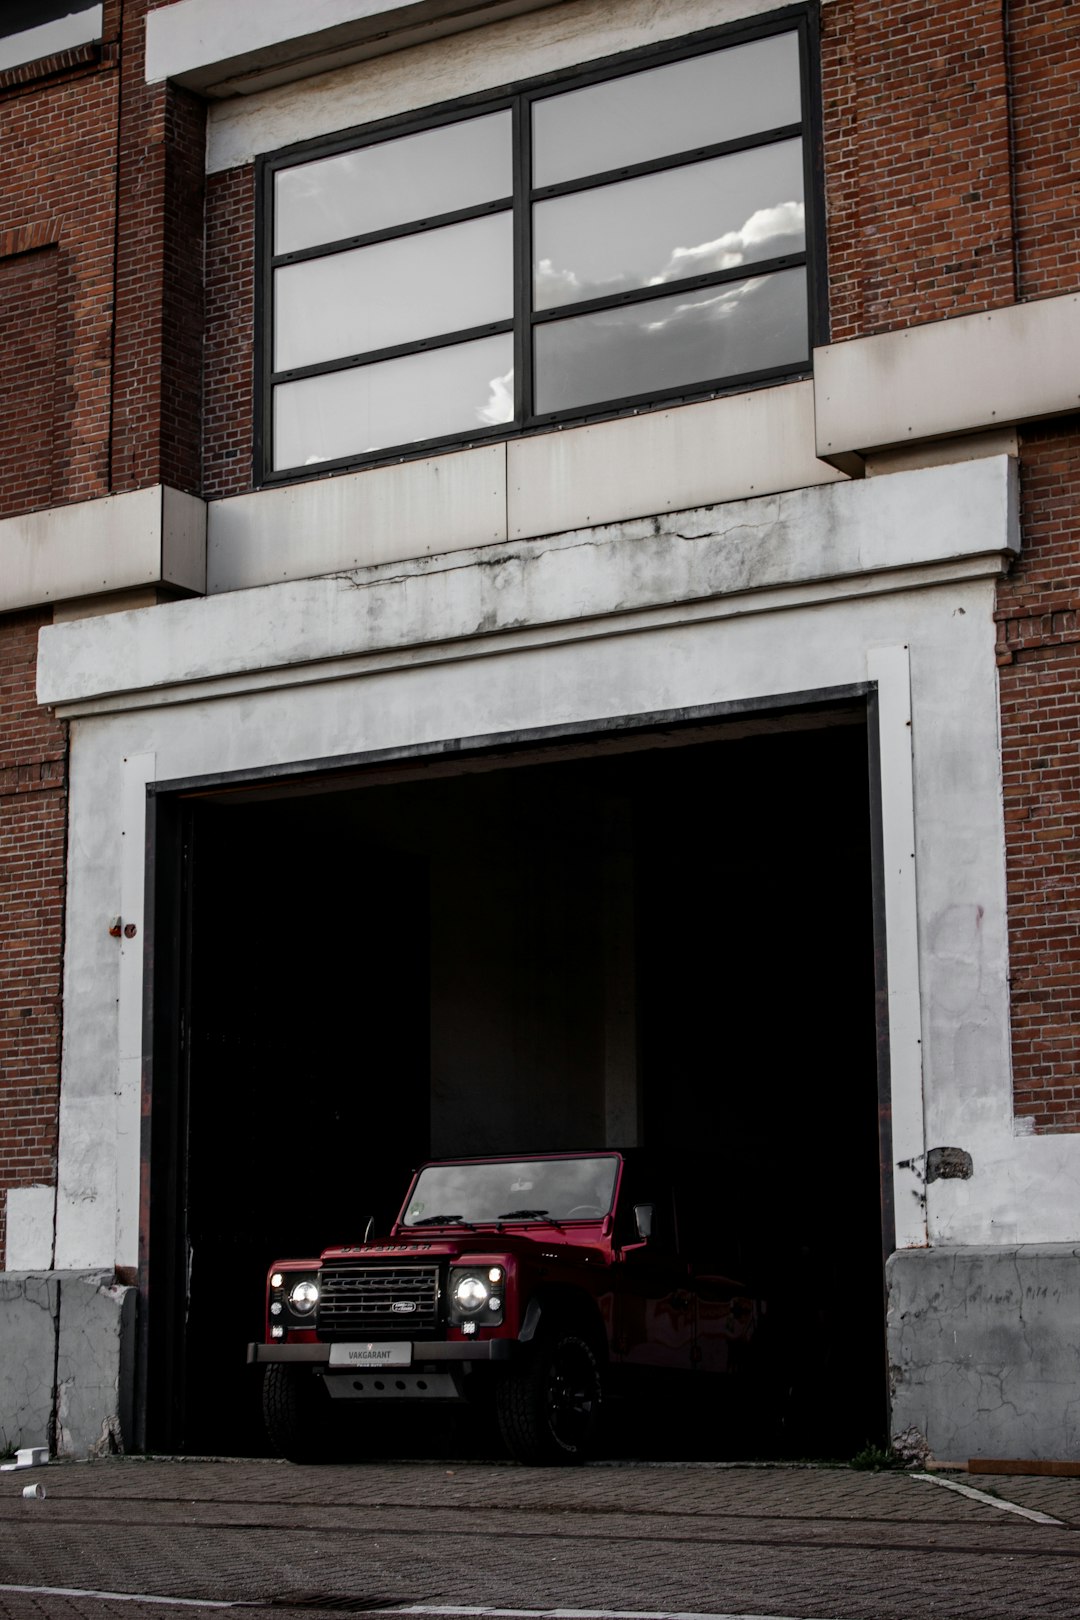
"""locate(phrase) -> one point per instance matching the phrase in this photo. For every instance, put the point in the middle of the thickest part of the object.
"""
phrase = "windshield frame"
(462, 1219)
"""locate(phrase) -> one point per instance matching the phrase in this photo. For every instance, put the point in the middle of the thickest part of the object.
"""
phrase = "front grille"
(359, 1300)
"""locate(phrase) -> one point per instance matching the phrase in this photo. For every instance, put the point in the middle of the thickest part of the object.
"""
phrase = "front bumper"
(424, 1353)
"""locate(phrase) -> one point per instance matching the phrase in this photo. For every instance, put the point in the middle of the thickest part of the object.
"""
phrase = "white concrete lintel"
(252, 45)
(517, 45)
(806, 537)
(153, 536)
(81, 26)
(753, 604)
(989, 370)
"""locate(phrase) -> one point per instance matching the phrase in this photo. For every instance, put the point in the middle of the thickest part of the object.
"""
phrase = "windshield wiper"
(526, 1215)
(443, 1220)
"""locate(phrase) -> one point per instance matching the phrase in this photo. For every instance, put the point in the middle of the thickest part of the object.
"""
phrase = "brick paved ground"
(786, 1541)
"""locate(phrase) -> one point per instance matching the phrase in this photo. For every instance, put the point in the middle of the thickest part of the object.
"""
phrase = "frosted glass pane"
(672, 342)
(707, 216)
(393, 182)
(718, 96)
(409, 288)
(421, 396)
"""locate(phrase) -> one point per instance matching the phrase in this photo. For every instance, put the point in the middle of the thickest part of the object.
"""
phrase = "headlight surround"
(292, 1299)
(303, 1297)
(476, 1296)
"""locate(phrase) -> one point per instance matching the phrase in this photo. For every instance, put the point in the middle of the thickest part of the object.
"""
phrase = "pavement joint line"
(990, 1501)
(478, 1612)
(123, 1597)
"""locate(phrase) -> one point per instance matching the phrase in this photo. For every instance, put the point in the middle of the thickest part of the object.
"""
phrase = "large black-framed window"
(630, 235)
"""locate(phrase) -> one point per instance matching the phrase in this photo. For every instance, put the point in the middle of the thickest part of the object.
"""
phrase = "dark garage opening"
(666, 940)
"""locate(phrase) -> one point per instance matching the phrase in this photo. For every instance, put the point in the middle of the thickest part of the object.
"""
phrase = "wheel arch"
(561, 1306)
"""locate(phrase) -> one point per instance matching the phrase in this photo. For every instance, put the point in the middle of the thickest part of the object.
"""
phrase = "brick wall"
(28, 378)
(1039, 652)
(56, 186)
(916, 134)
(33, 808)
(86, 407)
(921, 210)
(228, 422)
(57, 222)
(157, 354)
(1039, 606)
(1044, 55)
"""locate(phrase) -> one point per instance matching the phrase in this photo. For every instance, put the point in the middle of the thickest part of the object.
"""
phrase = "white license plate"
(371, 1355)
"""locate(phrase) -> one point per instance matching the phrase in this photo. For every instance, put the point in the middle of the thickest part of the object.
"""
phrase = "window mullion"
(676, 160)
(667, 289)
(522, 261)
(459, 216)
(395, 351)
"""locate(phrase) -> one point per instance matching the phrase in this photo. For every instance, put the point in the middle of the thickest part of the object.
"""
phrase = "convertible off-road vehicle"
(540, 1283)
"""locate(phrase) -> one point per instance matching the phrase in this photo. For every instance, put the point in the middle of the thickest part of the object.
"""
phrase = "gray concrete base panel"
(67, 1342)
(29, 1307)
(984, 1350)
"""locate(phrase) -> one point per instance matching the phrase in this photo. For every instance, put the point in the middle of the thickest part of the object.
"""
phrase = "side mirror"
(643, 1218)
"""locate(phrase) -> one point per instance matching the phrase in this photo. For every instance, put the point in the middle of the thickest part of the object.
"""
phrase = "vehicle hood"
(541, 1240)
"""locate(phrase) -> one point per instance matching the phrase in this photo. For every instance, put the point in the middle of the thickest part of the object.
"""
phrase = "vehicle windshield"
(513, 1190)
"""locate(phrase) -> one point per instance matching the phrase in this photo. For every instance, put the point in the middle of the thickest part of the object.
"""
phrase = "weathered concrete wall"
(94, 1366)
(72, 1393)
(984, 1349)
(29, 1304)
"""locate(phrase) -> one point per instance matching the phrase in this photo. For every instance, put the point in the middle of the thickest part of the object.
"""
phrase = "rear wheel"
(549, 1410)
(296, 1412)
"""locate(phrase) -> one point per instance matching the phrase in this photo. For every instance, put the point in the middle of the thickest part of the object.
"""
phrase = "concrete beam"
(721, 450)
(516, 48)
(80, 26)
(386, 514)
(992, 370)
(798, 540)
(149, 537)
(252, 45)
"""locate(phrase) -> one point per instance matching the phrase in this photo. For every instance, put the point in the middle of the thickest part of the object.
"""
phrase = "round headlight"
(304, 1297)
(470, 1293)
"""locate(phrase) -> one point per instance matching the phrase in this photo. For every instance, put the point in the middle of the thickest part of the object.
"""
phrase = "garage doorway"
(663, 938)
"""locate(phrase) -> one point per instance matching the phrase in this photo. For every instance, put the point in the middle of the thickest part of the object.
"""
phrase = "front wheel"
(296, 1413)
(549, 1410)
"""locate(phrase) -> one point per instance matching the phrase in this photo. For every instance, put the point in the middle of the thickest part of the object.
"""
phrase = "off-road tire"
(549, 1409)
(297, 1416)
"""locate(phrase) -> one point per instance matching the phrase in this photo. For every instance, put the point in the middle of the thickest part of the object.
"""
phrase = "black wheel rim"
(571, 1396)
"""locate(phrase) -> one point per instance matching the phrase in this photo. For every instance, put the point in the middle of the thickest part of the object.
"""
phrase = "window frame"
(518, 99)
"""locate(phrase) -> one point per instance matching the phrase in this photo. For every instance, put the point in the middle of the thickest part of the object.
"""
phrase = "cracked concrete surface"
(94, 1365)
(984, 1349)
(29, 1303)
(66, 1347)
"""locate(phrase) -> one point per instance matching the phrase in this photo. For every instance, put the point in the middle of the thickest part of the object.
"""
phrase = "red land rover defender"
(543, 1282)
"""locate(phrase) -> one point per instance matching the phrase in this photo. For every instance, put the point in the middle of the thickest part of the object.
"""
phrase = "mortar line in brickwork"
(113, 336)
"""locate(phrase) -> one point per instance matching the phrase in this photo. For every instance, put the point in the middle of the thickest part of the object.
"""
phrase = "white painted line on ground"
(121, 1597)
(468, 1610)
(460, 1611)
(989, 1501)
